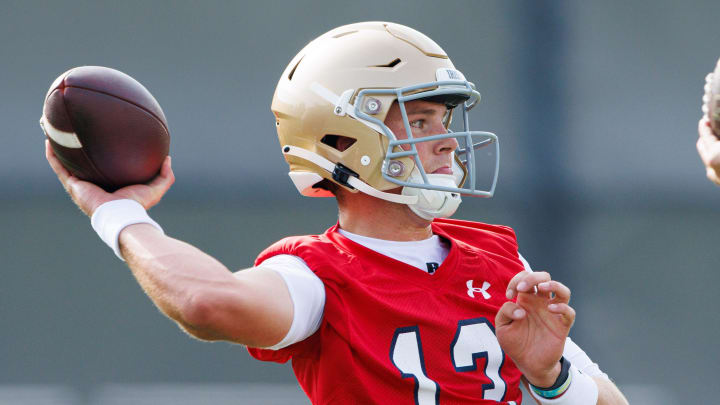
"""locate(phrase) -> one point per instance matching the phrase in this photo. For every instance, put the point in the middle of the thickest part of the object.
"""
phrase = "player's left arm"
(533, 331)
(608, 393)
(577, 356)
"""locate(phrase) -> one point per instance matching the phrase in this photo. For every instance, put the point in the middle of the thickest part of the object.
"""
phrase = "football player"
(395, 304)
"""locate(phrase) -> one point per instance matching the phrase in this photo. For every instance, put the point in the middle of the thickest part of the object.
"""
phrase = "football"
(711, 99)
(105, 127)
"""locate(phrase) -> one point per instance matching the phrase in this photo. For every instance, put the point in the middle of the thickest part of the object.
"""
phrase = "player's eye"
(419, 124)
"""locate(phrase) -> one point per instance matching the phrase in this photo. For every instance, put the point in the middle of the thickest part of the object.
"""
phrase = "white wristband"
(583, 390)
(113, 216)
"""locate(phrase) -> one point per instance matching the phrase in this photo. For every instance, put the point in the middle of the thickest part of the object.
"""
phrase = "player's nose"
(446, 145)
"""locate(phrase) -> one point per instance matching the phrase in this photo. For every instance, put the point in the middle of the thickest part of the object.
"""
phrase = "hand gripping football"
(711, 99)
(105, 127)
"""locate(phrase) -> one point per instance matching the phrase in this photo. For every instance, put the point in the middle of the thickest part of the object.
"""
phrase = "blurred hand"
(88, 196)
(533, 330)
(708, 146)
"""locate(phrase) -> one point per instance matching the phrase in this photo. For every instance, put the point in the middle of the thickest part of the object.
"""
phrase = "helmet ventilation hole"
(292, 72)
(389, 64)
(338, 142)
(342, 34)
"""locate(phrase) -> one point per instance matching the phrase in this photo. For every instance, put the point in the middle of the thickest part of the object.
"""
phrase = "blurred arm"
(708, 146)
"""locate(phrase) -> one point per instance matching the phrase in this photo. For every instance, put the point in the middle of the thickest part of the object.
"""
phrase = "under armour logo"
(472, 290)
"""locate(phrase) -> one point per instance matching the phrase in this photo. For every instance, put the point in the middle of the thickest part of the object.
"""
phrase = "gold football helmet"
(342, 84)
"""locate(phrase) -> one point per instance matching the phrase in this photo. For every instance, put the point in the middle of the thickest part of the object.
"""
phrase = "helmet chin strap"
(427, 204)
(433, 204)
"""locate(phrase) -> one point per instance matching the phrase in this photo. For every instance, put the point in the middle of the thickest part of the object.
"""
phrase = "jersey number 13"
(474, 339)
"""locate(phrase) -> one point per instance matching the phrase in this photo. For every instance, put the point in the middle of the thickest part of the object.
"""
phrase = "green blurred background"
(596, 107)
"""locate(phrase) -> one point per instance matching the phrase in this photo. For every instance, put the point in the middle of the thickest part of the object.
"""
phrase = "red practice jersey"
(394, 334)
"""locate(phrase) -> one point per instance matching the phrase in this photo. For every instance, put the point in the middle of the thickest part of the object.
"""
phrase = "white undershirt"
(307, 291)
(433, 250)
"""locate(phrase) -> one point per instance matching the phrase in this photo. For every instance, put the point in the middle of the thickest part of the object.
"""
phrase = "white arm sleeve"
(525, 263)
(573, 352)
(307, 293)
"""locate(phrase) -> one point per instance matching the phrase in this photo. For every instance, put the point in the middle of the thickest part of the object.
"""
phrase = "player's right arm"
(252, 307)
